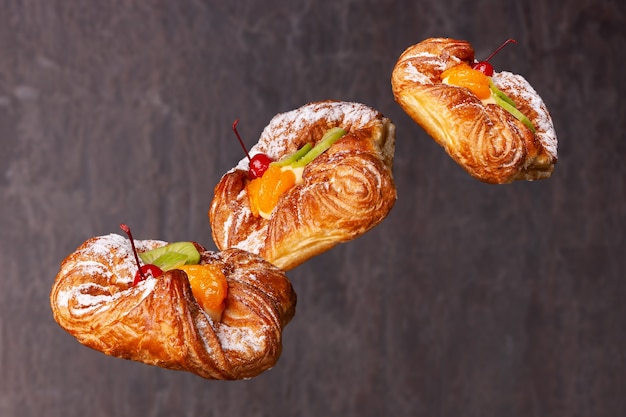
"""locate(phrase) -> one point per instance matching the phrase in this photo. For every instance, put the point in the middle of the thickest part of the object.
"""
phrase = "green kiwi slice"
(291, 158)
(172, 255)
(330, 137)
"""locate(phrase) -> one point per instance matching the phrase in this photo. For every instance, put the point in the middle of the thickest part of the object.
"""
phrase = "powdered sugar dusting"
(113, 250)
(415, 75)
(111, 257)
(242, 339)
(423, 67)
(90, 296)
(254, 241)
(118, 252)
(436, 63)
(546, 134)
(284, 128)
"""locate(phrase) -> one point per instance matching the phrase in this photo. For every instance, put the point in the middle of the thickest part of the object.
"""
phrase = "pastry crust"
(159, 322)
(486, 140)
(346, 191)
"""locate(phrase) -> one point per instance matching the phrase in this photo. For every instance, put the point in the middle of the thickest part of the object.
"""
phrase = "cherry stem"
(499, 48)
(240, 141)
(126, 229)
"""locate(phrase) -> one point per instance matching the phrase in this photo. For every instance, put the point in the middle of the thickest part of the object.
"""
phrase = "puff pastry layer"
(486, 140)
(158, 321)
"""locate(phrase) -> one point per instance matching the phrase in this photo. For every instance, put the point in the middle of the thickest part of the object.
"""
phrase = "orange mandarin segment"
(274, 183)
(264, 192)
(252, 189)
(209, 287)
(463, 75)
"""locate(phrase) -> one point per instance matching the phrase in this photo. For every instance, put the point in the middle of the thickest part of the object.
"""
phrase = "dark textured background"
(468, 300)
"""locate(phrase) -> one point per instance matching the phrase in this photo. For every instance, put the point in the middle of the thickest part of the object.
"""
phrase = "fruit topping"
(477, 79)
(209, 288)
(290, 159)
(507, 104)
(161, 259)
(484, 66)
(146, 271)
(462, 75)
(259, 163)
(208, 283)
(330, 137)
(264, 192)
(282, 175)
(143, 271)
(172, 255)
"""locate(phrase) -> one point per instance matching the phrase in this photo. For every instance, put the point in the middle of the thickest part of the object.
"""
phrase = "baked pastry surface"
(159, 322)
(346, 191)
(485, 139)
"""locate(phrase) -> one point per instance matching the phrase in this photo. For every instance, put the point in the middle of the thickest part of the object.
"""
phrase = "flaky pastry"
(344, 192)
(158, 321)
(481, 136)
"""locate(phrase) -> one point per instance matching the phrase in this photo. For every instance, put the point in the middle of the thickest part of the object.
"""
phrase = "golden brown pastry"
(159, 322)
(343, 193)
(484, 138)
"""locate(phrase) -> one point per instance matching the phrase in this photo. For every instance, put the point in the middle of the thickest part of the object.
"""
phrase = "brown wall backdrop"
(468, 300)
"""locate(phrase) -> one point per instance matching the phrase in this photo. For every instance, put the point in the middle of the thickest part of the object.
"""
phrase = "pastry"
(494, 125)
(159, 321)
(332, 194)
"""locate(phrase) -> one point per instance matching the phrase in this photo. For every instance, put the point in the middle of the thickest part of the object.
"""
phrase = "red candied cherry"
(484, 66)
(146, 271)
(142, 270)
(258, 163)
